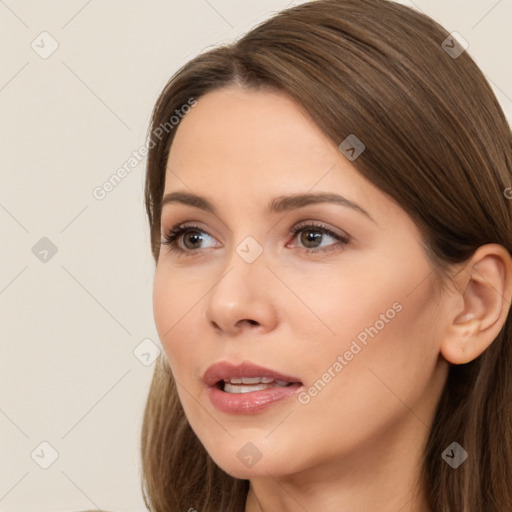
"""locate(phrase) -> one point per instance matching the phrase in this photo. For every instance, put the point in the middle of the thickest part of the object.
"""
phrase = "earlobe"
(484, 288)
(461, 345)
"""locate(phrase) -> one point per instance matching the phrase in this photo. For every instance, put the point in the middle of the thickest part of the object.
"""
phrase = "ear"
(480, 305)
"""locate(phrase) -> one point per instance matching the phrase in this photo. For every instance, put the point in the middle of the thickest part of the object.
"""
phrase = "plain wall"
(71, 321)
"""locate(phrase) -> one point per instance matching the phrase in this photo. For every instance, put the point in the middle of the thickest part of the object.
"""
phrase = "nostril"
(249, 321)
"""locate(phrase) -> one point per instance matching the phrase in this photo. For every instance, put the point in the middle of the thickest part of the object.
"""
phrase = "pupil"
(194, 237)
(311, 236)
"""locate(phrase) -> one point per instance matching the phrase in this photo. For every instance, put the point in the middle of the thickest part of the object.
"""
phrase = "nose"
(241, 300)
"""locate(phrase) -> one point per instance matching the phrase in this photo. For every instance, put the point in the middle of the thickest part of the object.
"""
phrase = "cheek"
(377, 329)
(382, 357)
(333, 312)
(175, 302)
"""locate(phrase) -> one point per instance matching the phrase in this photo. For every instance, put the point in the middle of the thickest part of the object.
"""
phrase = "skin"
(356, 445)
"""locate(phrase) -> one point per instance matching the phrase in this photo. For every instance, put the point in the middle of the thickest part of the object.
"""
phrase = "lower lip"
(254, 401)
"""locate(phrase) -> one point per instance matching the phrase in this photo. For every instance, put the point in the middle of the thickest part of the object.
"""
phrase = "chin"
(247, 459)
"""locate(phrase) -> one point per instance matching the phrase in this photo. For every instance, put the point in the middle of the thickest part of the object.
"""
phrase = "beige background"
(73, 373)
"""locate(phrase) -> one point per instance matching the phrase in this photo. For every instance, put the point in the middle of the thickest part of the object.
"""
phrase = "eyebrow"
(279, 204)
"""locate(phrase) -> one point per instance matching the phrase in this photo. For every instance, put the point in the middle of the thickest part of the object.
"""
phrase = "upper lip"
(226, 371)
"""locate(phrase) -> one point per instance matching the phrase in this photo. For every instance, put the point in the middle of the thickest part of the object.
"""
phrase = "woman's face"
(331, 302)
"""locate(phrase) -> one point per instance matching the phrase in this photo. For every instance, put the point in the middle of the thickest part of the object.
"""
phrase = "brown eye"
(187, 239)
(192, 239)
(310, 238)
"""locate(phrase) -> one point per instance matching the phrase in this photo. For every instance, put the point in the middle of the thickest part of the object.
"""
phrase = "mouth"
(245, 377)
(250, 384)
(247, 387)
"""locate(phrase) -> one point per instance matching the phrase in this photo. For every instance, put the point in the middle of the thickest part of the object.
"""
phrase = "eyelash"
(173, 234)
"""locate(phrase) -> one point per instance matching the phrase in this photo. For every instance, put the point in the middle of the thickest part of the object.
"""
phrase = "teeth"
(255, 380)
(231, 387)
(241, 388)
(251, 380)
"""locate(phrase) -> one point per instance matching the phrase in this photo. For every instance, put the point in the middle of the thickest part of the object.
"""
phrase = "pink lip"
(246, 403)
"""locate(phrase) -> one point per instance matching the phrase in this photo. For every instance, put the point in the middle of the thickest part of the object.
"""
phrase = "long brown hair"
(438, 143)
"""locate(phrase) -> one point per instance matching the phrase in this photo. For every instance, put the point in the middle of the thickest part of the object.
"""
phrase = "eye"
(186, 239)
(190, 236)
(312, 236)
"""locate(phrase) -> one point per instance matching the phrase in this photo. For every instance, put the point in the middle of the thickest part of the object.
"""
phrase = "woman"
(330, 215)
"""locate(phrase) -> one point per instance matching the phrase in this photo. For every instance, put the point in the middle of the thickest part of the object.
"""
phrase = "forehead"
(231, 124)
(245, 136)
(238, 145)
